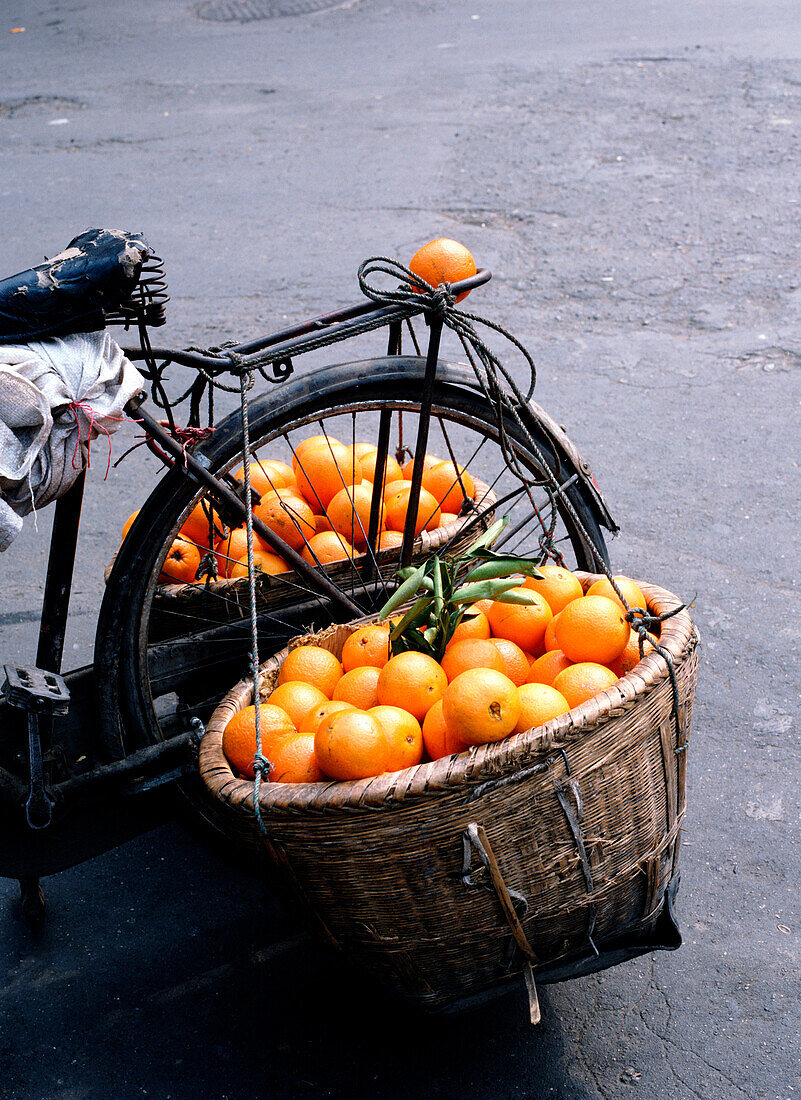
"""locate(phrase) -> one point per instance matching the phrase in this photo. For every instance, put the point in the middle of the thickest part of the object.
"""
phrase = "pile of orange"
(508, 669)
(319, 506)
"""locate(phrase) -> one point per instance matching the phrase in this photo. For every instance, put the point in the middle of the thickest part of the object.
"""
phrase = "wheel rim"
(188, 656)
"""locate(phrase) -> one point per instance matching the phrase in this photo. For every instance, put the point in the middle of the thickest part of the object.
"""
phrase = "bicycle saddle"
(104, 276)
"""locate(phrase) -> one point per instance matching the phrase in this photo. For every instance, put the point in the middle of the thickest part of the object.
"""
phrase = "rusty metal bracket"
(475, 838)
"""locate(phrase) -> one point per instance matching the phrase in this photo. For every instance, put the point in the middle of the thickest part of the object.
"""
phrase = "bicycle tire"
(126, 654)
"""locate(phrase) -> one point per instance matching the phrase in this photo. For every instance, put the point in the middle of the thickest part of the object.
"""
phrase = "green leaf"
(403, 593)
(525, 598)
(502, 567)
(483, 590)
(413, 617)
(439, 603)
(453, 621)
(488, 537)
(414, 642)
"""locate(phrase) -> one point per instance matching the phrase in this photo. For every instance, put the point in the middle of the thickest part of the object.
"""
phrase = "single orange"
(449, 485)
(516, 660)
(549, 640)
(322, 470)
(181, 564)
(539, 703)
(322, 523)
(471, 653)
(439, 741)
(482, 605)
(129, 524)
(593, 628)
(389, 540)
(297, 698)
(315, 441)
(429, 461)
(349, 513)
(404, 735)
(314, 665)
(352, 745)
(547, 667)
(392, 471)
(392, 487)
(474, 624)
(195, 527)
(447, 518)
(369, 645)
(583, 680)
(481, 705)
(358, 450)
(327, 547)
(558, 587)
(412, 681)
(321, 711)
(359, 686)
(239, 736)
(233, 547)
(264, 561)
(443, 261)
(267, 474)
(522, 624)
(630, 655)
(288, 515)
(398, 505)
(294, 761)
(631, 592)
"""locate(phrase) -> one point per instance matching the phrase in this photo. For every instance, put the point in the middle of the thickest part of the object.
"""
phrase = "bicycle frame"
(114, 801)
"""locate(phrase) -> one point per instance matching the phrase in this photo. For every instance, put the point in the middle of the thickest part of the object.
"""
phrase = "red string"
(94, 425)
(190, 437)
(187, 437)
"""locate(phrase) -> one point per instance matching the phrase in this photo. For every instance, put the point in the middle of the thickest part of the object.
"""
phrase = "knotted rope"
(495, 382)
(643, 622)
(504, 395)
(94, 425)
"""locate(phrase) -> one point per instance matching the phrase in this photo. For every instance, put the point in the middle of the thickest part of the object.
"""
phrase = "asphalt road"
(629, 172)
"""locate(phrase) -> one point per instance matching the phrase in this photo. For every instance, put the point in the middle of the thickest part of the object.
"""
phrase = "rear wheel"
(167, 653)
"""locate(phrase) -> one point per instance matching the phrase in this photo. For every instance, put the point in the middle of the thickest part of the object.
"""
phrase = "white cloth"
(56, 396)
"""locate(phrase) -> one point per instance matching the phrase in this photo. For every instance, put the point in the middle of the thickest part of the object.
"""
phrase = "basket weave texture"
(447, 878)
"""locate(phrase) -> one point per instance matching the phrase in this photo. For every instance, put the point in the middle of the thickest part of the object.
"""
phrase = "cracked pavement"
(630, 174)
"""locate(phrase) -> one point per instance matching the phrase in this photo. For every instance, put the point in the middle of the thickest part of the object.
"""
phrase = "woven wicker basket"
(272, 591)
(553, 852)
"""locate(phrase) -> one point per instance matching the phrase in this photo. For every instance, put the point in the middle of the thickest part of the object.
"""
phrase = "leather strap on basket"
(475, 837)
(575, 820)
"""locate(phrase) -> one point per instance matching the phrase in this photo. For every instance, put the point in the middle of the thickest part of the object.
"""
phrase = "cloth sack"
(56, 396)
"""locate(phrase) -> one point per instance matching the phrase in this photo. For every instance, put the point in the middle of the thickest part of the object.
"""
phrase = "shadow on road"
(193, 982)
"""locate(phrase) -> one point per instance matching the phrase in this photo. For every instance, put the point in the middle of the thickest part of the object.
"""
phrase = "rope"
(261, 765)
(95, 425)
(642, 622)
(496, 384)
(494, 380)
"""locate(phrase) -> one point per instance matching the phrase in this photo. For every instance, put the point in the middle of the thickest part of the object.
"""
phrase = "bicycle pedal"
(35, 689)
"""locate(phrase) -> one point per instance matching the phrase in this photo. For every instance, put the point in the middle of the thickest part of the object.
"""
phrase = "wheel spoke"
(193, 646)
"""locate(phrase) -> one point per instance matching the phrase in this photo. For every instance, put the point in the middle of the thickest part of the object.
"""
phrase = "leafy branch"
(446, 587)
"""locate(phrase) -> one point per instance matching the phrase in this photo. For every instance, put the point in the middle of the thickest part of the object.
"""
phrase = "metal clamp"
(513, 904)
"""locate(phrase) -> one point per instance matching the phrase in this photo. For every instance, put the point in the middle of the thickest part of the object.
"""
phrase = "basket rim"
(679, 637)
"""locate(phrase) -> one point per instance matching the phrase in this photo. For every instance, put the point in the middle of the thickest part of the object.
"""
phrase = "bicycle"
(111, 747)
